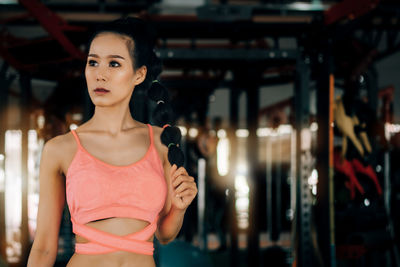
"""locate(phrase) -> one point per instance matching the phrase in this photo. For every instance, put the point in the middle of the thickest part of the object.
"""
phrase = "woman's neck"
(112, 119)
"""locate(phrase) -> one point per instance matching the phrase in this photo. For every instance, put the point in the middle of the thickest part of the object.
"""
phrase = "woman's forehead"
(109, 44)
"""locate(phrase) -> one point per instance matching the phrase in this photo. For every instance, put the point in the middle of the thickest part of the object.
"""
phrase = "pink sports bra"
(97, 190)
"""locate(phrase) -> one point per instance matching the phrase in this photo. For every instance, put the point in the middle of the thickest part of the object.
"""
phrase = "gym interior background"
(290, 112)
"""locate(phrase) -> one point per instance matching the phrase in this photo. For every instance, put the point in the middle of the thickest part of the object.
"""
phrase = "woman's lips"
(101, 91)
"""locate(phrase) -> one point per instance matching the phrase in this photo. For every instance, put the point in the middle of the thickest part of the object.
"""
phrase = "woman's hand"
(184, 188)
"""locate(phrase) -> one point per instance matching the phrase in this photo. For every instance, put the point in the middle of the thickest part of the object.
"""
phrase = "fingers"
(190, 192)
(183, 184)
(181, 179)
(172, 170)
(179, 175)
(176, 172)
(188, 184)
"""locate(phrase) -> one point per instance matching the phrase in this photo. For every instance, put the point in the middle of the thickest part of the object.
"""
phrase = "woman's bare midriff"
(117, 226)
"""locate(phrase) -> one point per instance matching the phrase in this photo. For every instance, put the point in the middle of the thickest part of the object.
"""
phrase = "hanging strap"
(76, 138)
(151, 134)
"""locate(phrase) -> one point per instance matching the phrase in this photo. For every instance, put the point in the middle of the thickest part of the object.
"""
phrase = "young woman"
(120, 185)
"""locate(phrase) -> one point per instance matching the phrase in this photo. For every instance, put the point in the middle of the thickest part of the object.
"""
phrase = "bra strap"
(151, 134)
(76, 137)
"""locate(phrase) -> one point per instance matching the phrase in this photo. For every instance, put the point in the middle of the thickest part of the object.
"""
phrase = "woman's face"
(109, 71)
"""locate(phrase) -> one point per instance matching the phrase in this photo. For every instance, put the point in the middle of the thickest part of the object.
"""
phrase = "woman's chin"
(101, 103)
(107, 103)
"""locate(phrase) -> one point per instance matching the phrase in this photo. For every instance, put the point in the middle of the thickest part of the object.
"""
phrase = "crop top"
(97, 190)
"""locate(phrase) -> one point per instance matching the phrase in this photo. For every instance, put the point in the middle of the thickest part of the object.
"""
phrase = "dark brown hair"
(141, 39)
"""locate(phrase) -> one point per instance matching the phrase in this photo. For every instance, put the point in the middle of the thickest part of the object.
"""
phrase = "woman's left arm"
(181, 191)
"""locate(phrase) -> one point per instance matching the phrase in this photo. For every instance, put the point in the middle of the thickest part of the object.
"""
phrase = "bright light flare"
(13, 194)
(183, 130)
(2, 174)
(242, 133)
(242, 201)
(313, 181)
(223, 156)
(73, 126)
(193, 132)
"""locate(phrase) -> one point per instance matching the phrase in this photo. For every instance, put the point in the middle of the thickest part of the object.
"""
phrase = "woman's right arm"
(51, 203)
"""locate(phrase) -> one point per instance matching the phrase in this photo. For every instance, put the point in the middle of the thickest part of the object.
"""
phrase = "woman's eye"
(114, 64)
(92, 63)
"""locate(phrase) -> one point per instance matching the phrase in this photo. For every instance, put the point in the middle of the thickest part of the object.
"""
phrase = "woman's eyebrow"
(110, 56)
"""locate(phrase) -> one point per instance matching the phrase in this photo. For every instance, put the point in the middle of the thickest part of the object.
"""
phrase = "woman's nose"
(101, 75)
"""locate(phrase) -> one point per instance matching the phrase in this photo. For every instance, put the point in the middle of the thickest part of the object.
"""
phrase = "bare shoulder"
(53, 146)
(59, 149)
(157, 131)
(56, 144)
(162, 149)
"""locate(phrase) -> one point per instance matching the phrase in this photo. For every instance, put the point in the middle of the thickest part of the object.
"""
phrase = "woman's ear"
(140, 75)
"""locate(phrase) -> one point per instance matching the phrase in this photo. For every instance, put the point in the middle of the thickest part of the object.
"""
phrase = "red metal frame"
(349, 9)
(350, 251)
(54, 25)
(51, 22)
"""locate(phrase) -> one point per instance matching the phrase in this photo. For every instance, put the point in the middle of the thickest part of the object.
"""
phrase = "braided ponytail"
(162, 115)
